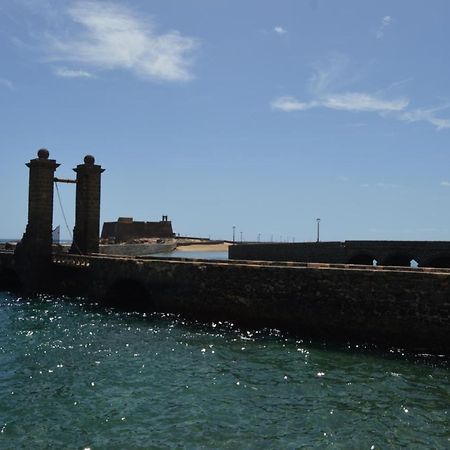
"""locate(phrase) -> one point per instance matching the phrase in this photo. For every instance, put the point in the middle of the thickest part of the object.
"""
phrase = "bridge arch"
(400, 259)
(440, 261)
(364, 258)
(129, 294)
(9, 279)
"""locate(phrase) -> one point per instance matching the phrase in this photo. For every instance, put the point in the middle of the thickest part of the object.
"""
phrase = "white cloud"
(71, 73)
(291, 104)
(445, 183)
(350, 101)
(280, 30)
(426, 115)
(359, 101)
(342, 178)
(322, 88)
(385, 22)
(6, 83)
(111, 36)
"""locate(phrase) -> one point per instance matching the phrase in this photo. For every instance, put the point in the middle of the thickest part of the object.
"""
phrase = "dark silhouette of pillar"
(87, 209)
(37, 239)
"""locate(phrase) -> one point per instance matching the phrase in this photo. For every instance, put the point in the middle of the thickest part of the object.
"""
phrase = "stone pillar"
(87, 209)
(37, 239)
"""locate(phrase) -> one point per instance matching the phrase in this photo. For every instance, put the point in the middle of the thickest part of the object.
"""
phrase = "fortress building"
(126, 229)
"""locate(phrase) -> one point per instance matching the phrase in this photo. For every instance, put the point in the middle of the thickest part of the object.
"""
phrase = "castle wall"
(125, 231)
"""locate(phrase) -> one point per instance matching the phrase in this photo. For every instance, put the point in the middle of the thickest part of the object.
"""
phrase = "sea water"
(77, 375)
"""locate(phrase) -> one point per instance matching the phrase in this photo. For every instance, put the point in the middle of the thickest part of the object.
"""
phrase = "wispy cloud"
(360, 101)
(6, 83)
(350, 101)
(445, 183)
(385, 22)
(322, 85)
(280, 30)
(71, 73)
(111, 36)
(427, 115)
(289, 104)
(329, 74)
(380, 185)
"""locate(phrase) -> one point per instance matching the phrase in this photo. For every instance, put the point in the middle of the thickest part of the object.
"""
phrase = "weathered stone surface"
(33, 252)
(386, 253)
(126, 229)
(37, 239)
(87, 210)
(409, 308)
(395, 307)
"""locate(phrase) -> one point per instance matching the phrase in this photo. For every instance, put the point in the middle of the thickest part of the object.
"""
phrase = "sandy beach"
(204, 247)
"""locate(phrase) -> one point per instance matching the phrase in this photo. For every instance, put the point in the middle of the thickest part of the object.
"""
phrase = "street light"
(318, 229)
(234, 232)
(241, 236)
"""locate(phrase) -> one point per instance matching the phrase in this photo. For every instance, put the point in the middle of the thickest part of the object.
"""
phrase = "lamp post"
(241, 236)
(234, 234)
(318, 229)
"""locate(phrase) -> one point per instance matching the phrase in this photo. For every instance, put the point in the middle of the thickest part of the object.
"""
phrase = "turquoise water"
(74, 375)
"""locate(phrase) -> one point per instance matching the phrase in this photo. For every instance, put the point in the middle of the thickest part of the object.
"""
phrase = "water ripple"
(73, 375)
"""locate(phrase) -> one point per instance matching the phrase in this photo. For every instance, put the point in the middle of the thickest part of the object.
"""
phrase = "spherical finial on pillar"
(89, 159)
(43, 153)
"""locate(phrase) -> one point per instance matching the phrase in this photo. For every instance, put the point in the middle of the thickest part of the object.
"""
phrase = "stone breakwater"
(392, 306)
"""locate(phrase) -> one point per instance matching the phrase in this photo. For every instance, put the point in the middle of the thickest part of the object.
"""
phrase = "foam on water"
(73, 375)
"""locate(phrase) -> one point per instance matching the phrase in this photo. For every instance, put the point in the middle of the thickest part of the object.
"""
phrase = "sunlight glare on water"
(74, 375)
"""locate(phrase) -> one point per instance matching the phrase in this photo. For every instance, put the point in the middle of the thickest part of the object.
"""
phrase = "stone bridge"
(389, 305)
(319, 297)
(386, 253)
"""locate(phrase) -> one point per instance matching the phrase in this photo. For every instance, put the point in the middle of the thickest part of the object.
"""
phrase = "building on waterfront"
(125, 229)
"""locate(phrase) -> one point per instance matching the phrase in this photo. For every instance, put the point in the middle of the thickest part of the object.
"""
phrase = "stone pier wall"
(404, 308)
(330, 252)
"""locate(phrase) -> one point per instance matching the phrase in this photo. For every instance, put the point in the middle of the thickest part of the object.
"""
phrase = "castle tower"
(87, 209)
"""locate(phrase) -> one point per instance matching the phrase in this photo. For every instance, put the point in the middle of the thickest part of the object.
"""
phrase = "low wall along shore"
(407, 307)
(385, 253)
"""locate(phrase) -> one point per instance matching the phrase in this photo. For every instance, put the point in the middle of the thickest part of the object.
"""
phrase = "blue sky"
(258, 114)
